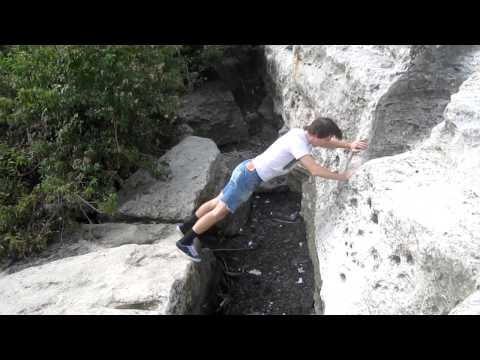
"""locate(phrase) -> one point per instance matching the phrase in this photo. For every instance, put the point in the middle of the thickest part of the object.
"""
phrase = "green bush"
(75, 121)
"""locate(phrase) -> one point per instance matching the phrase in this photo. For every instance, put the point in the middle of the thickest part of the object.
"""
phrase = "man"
(278, 159)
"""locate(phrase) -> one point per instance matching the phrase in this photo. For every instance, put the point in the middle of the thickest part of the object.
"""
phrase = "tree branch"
(88, 204)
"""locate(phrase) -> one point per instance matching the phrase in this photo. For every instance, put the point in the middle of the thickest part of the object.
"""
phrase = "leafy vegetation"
(75, 121)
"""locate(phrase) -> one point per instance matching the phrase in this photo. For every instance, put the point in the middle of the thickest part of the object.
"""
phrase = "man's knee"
(215, 201)
(220, 211)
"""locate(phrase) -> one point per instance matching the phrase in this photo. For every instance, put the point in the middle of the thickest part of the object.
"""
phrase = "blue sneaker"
(189, 251)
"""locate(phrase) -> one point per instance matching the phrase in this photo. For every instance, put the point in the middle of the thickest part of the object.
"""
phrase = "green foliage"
(75, 121)
(198, 61)
(22, 229)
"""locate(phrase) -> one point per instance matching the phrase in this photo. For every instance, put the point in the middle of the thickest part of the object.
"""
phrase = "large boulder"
(470, 306)
(112, 269)
(401, 236)
(400, 239)
(192, 166)
(211, 111)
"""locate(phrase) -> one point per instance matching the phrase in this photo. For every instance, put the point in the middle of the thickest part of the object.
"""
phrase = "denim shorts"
(241, 186)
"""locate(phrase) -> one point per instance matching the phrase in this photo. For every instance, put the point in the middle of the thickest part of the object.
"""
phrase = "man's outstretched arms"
(316, 170)
(355, 146)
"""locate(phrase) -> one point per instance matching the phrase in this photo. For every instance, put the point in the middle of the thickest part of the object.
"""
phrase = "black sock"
(188, 238)
(188, 224)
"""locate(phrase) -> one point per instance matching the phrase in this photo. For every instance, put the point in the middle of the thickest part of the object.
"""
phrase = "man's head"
(321, 130)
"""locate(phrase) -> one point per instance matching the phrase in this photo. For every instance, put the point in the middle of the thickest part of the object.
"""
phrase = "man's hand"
(345, 175)
(358, 145)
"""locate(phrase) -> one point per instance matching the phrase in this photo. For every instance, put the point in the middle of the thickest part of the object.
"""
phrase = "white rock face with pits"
(401, 237)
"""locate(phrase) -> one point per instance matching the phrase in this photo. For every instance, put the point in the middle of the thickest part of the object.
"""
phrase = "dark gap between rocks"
(267, 267)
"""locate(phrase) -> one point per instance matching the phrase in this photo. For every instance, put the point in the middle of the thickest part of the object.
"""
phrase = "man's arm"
(334, 143)
(316, 170)
(357, 145)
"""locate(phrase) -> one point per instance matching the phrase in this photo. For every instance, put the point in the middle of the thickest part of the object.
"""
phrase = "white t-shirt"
(284, 151)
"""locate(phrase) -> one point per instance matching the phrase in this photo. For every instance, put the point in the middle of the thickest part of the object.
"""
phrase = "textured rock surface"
(401, 237)
(211, 112)
(104, 275)
(470, 306)
(88, 238)
(414, 104)
(192, 163)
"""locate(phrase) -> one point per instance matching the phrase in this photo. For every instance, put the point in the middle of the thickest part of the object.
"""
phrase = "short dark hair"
(323, 127)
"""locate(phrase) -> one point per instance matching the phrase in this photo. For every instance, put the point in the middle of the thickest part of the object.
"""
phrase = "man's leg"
(204, 223)
(219, 212)
(206, 207)
(212, 217)
(202, 210)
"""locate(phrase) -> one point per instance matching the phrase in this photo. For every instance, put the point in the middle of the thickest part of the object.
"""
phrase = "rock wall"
(399, 237)
(415, 102)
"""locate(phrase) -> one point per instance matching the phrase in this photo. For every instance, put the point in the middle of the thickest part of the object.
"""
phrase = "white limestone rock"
(113, 276)
(401, 236)
(192, 164)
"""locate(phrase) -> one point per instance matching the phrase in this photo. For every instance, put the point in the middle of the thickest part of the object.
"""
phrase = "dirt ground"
(271, 273)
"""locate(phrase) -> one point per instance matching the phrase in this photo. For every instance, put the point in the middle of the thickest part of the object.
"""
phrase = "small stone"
(300, 281)
(255, 272)
(300, 244)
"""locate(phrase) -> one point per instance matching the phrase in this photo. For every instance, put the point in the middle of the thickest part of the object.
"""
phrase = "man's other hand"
(358, 145)
(345, 175)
